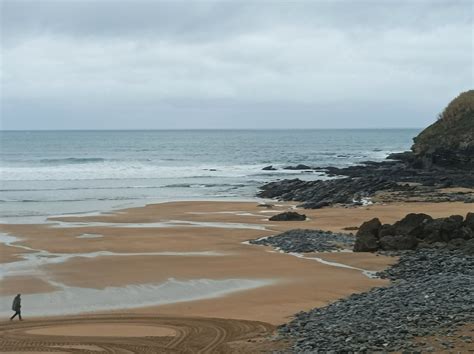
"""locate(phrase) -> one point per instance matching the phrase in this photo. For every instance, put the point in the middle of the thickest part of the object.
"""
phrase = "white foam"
(127, 170)
(367, 273)
(90, 236)
(74, 300)
(165, 224)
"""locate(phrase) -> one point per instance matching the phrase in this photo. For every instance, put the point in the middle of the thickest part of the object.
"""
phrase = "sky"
(142, 64)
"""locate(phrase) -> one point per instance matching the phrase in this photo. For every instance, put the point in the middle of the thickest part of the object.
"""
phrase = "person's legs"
(14, 315)
(19, 315)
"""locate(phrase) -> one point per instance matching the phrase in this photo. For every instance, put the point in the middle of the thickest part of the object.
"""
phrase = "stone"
(367, 236)
(269, 168)
(398, 243)
(370, 227)
(469, 222)
(366, 243)
(412, 224)
(430, 295)
(288, 216)
(305, 240)
(297, 167)
(387, 230)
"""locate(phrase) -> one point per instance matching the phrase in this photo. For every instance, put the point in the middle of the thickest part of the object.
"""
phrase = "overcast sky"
(232, 64)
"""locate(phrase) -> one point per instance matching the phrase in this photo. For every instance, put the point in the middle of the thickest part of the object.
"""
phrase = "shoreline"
(298, 283)
(80, 255)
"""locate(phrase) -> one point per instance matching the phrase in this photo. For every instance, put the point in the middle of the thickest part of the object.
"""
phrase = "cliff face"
(449, 142)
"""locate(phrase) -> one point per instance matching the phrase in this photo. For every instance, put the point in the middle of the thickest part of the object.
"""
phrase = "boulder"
(367, 236)
(449, 226)
(463, 232)
(297, 167)
(412, 224)
(468, 247)
(370, 227)
(269, 168)
(366, 243)
(469, 222)
(433, 236)
(456, 243)
(315, 205)
(288, 216)
(398, 243)
(386, 230)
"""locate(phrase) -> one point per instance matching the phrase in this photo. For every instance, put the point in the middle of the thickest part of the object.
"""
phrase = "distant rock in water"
(449, 142)
(288, 216)
(298, 167)
(269, 168)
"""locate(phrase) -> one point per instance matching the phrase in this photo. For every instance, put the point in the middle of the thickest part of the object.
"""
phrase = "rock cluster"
(396, 178)
(302, 241)
(431, 296)
(298, 167)
(288, 216)
(318, 194)
(417, 231)
(441, 157)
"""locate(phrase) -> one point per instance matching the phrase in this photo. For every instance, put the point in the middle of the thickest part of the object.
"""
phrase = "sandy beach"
(183, 260)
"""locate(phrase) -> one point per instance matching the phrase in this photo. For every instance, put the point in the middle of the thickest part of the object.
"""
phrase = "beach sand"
(189, 241)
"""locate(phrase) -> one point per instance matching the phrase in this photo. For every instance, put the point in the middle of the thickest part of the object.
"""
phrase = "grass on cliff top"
(454, 127)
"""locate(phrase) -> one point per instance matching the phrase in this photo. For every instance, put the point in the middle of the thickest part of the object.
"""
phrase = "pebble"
(302, 240)
(430, 294)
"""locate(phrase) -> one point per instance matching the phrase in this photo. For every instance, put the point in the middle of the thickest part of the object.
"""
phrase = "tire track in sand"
(193, 335)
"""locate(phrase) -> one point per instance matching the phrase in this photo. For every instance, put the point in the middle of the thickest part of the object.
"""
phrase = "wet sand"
(124, 251)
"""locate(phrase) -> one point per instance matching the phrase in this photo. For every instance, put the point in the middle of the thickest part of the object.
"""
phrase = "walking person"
(16, 306)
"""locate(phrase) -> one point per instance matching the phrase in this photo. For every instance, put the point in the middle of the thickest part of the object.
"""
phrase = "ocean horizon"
(45, 173)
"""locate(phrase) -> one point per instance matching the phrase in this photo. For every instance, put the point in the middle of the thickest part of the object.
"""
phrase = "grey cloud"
(228, 64)
(207, 19)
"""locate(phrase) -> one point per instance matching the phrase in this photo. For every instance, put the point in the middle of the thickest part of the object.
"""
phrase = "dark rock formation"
(449, 142)
(367, 238)
(269, 168)
(412, 224)
(288, 216)
(415, 231)
(302, 241)
(469, 222)
(442, 157)
(317, 194)
(431, 295)
(297, 167)
(398, 242)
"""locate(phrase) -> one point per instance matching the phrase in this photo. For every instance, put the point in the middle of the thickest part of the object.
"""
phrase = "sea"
(48, 173)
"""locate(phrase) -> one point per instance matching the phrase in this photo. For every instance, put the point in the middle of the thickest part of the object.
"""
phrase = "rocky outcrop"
(317, 194)
(449, 142)
(416, 231)
(298, 167)
(430, 296)
(442, 157)
(288, 216)
(367, 238)
(303, 241)
(269, 168)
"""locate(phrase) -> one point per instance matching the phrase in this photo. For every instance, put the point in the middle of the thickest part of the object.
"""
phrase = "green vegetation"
(450, 140)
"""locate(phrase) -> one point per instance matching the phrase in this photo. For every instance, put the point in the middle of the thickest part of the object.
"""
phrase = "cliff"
(449, 142)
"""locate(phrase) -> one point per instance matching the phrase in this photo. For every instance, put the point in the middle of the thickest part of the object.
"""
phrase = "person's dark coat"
(16, 306)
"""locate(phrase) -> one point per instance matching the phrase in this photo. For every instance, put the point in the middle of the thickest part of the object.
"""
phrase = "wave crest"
(73, 160)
